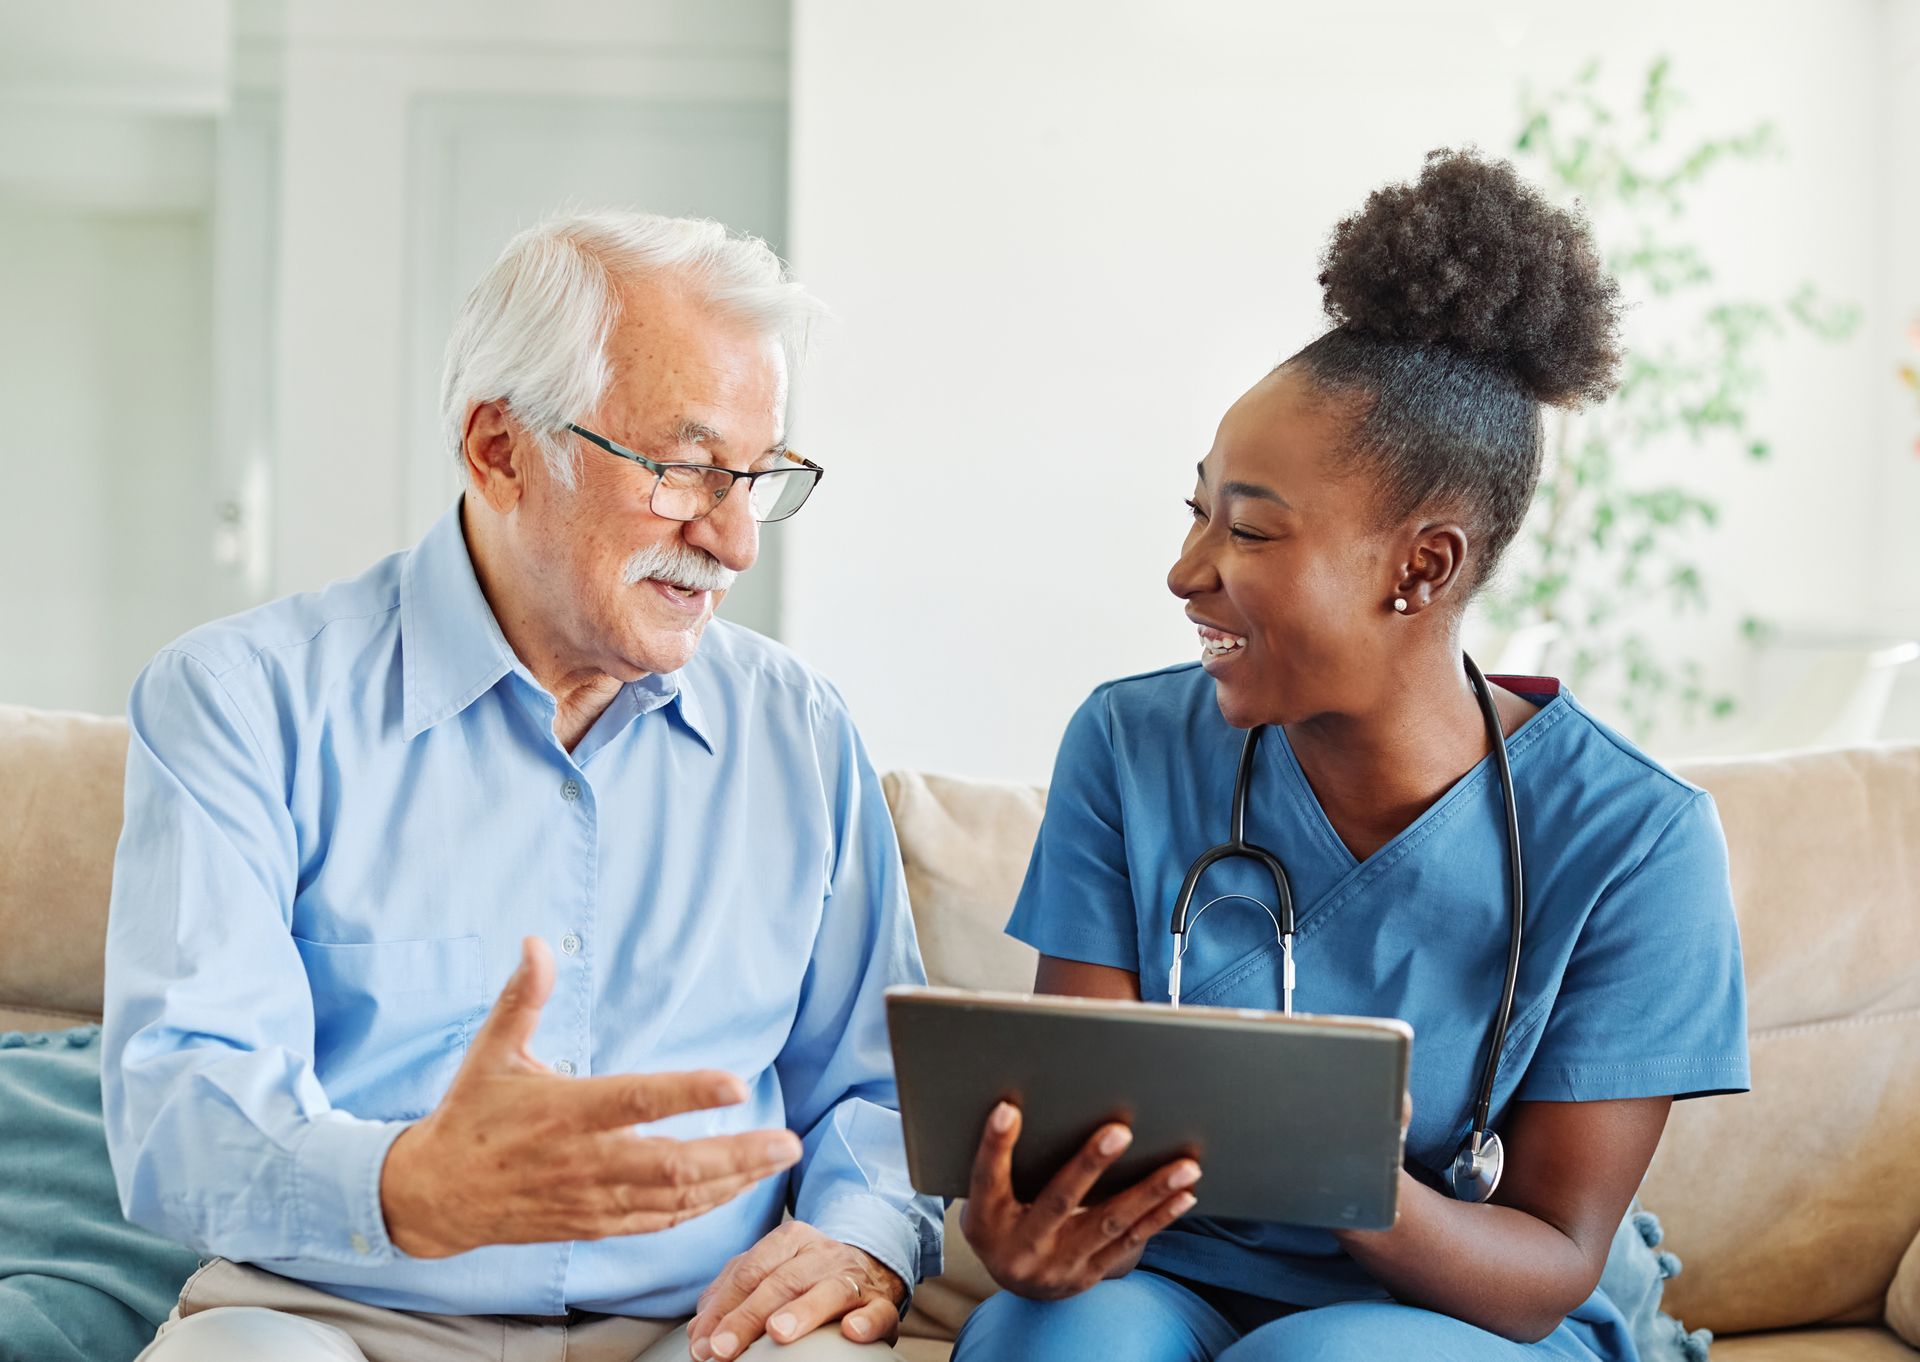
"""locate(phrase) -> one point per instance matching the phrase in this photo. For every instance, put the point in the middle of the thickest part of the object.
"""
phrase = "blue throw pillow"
(1635, 1276)
(77, 1282)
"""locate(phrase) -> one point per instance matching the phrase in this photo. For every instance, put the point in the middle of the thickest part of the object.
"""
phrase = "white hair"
(533, 332)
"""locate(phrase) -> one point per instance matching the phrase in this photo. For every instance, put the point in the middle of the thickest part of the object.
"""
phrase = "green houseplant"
(1610, 540)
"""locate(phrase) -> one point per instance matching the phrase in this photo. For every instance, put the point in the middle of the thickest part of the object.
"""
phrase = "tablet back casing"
(1293, 1119)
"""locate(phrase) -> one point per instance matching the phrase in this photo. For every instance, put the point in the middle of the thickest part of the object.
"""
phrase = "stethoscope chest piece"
(1476, 1169)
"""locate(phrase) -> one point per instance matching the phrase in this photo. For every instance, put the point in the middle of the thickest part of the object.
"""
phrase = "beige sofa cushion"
(1793, 1205)
(1814, 1345)
(1826, 872)
(61, 777)
(1903, 1300)
(965, 844)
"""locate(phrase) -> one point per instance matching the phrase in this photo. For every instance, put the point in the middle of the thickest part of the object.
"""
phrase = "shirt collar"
(657, 691)
(692, 713)
(453, 652)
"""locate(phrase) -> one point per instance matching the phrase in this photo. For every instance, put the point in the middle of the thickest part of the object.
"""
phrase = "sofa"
(1794, 1208)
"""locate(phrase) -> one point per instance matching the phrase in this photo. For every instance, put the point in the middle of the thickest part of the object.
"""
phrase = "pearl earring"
(1400, 604)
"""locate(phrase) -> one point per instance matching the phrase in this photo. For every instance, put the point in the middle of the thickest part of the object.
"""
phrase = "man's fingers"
(990, 1187)
(1069, 1187)
(616, 1100)
(509, 1028)
(650, 1171)
(665, 1212)
(747, 1321)
(668, 1186)
(876, 1320)
(737, 1281)
(1128, 1243)
(829, 1298)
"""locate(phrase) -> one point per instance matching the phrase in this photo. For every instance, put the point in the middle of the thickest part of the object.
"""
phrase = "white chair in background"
(1839, 701)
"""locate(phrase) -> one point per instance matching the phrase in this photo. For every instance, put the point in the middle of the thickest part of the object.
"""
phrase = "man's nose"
(729, 532)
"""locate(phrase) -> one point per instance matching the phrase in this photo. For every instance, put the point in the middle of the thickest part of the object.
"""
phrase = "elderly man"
(521, 759)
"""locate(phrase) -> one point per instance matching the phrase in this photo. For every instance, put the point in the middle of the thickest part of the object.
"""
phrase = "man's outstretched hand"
(516, 1154)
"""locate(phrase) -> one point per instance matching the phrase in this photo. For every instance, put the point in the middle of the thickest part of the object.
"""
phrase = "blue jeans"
(1143, 1317)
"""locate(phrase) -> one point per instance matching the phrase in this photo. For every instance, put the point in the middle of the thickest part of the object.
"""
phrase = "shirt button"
(564, 1068)
(570, 944)
(570, 791)
(360, 1244)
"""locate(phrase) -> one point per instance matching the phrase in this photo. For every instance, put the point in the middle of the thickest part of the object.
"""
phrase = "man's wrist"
(408, 1211)
(879, 1229)
(895, 1285)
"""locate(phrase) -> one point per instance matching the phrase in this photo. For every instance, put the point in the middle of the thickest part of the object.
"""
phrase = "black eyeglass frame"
(659, 471)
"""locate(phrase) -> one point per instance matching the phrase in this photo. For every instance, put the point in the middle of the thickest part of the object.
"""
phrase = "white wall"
(106, 170)
(110, 54)
(1897, 527)
(1898, 127)
(1063, 237)
(104, 360)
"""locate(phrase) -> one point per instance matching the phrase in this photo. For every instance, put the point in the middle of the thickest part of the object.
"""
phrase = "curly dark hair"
(1461, 304)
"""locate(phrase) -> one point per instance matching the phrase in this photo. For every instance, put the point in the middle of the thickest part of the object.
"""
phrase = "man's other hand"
(789, 1284)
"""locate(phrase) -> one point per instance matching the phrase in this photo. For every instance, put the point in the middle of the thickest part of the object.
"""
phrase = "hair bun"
(1472, 257)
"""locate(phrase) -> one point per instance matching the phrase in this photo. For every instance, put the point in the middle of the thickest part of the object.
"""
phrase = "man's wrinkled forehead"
(689, 374)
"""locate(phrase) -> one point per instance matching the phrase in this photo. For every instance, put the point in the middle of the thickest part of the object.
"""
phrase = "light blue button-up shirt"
(343, 812)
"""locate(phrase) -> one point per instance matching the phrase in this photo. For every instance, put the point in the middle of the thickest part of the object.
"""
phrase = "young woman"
(1352, 503)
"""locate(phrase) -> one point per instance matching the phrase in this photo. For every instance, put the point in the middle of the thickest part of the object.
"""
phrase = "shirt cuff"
(337, 1215)
(877, 1226)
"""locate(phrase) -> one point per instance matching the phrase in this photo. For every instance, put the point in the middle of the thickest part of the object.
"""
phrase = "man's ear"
(496, 450)
(1433, 569)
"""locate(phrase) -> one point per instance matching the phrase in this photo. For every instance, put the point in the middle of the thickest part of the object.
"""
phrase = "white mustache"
(679, 565)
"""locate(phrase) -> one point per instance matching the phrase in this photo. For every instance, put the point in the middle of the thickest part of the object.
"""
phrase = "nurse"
(1353, 502)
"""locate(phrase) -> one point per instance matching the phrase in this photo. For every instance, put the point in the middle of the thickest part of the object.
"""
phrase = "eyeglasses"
(688, 491)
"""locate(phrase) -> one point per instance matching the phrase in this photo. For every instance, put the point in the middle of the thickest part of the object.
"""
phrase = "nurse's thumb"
(509, 1028)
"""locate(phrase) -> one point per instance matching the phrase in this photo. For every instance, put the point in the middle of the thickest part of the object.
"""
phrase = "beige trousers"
(230, 1312)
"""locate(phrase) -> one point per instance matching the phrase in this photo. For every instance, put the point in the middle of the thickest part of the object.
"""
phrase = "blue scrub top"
(1630, 982)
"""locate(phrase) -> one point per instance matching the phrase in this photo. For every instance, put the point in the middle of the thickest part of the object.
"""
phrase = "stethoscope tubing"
(1517, 891)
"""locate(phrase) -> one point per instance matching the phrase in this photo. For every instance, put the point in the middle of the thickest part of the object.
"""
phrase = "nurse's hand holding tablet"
(1058, 1244)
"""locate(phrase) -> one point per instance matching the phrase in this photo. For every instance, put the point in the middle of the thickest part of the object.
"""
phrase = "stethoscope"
(1476, 1169)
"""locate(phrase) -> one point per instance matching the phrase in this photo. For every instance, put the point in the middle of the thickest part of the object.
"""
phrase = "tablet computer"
(1293, 1119)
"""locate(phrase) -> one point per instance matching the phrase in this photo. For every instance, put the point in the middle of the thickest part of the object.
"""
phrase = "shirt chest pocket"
(392, 1020)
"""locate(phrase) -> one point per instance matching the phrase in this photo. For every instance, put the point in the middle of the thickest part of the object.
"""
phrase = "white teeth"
(1220, 647)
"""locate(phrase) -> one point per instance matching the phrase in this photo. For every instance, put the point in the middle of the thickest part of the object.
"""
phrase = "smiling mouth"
(682, 598)
(1219, 643)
